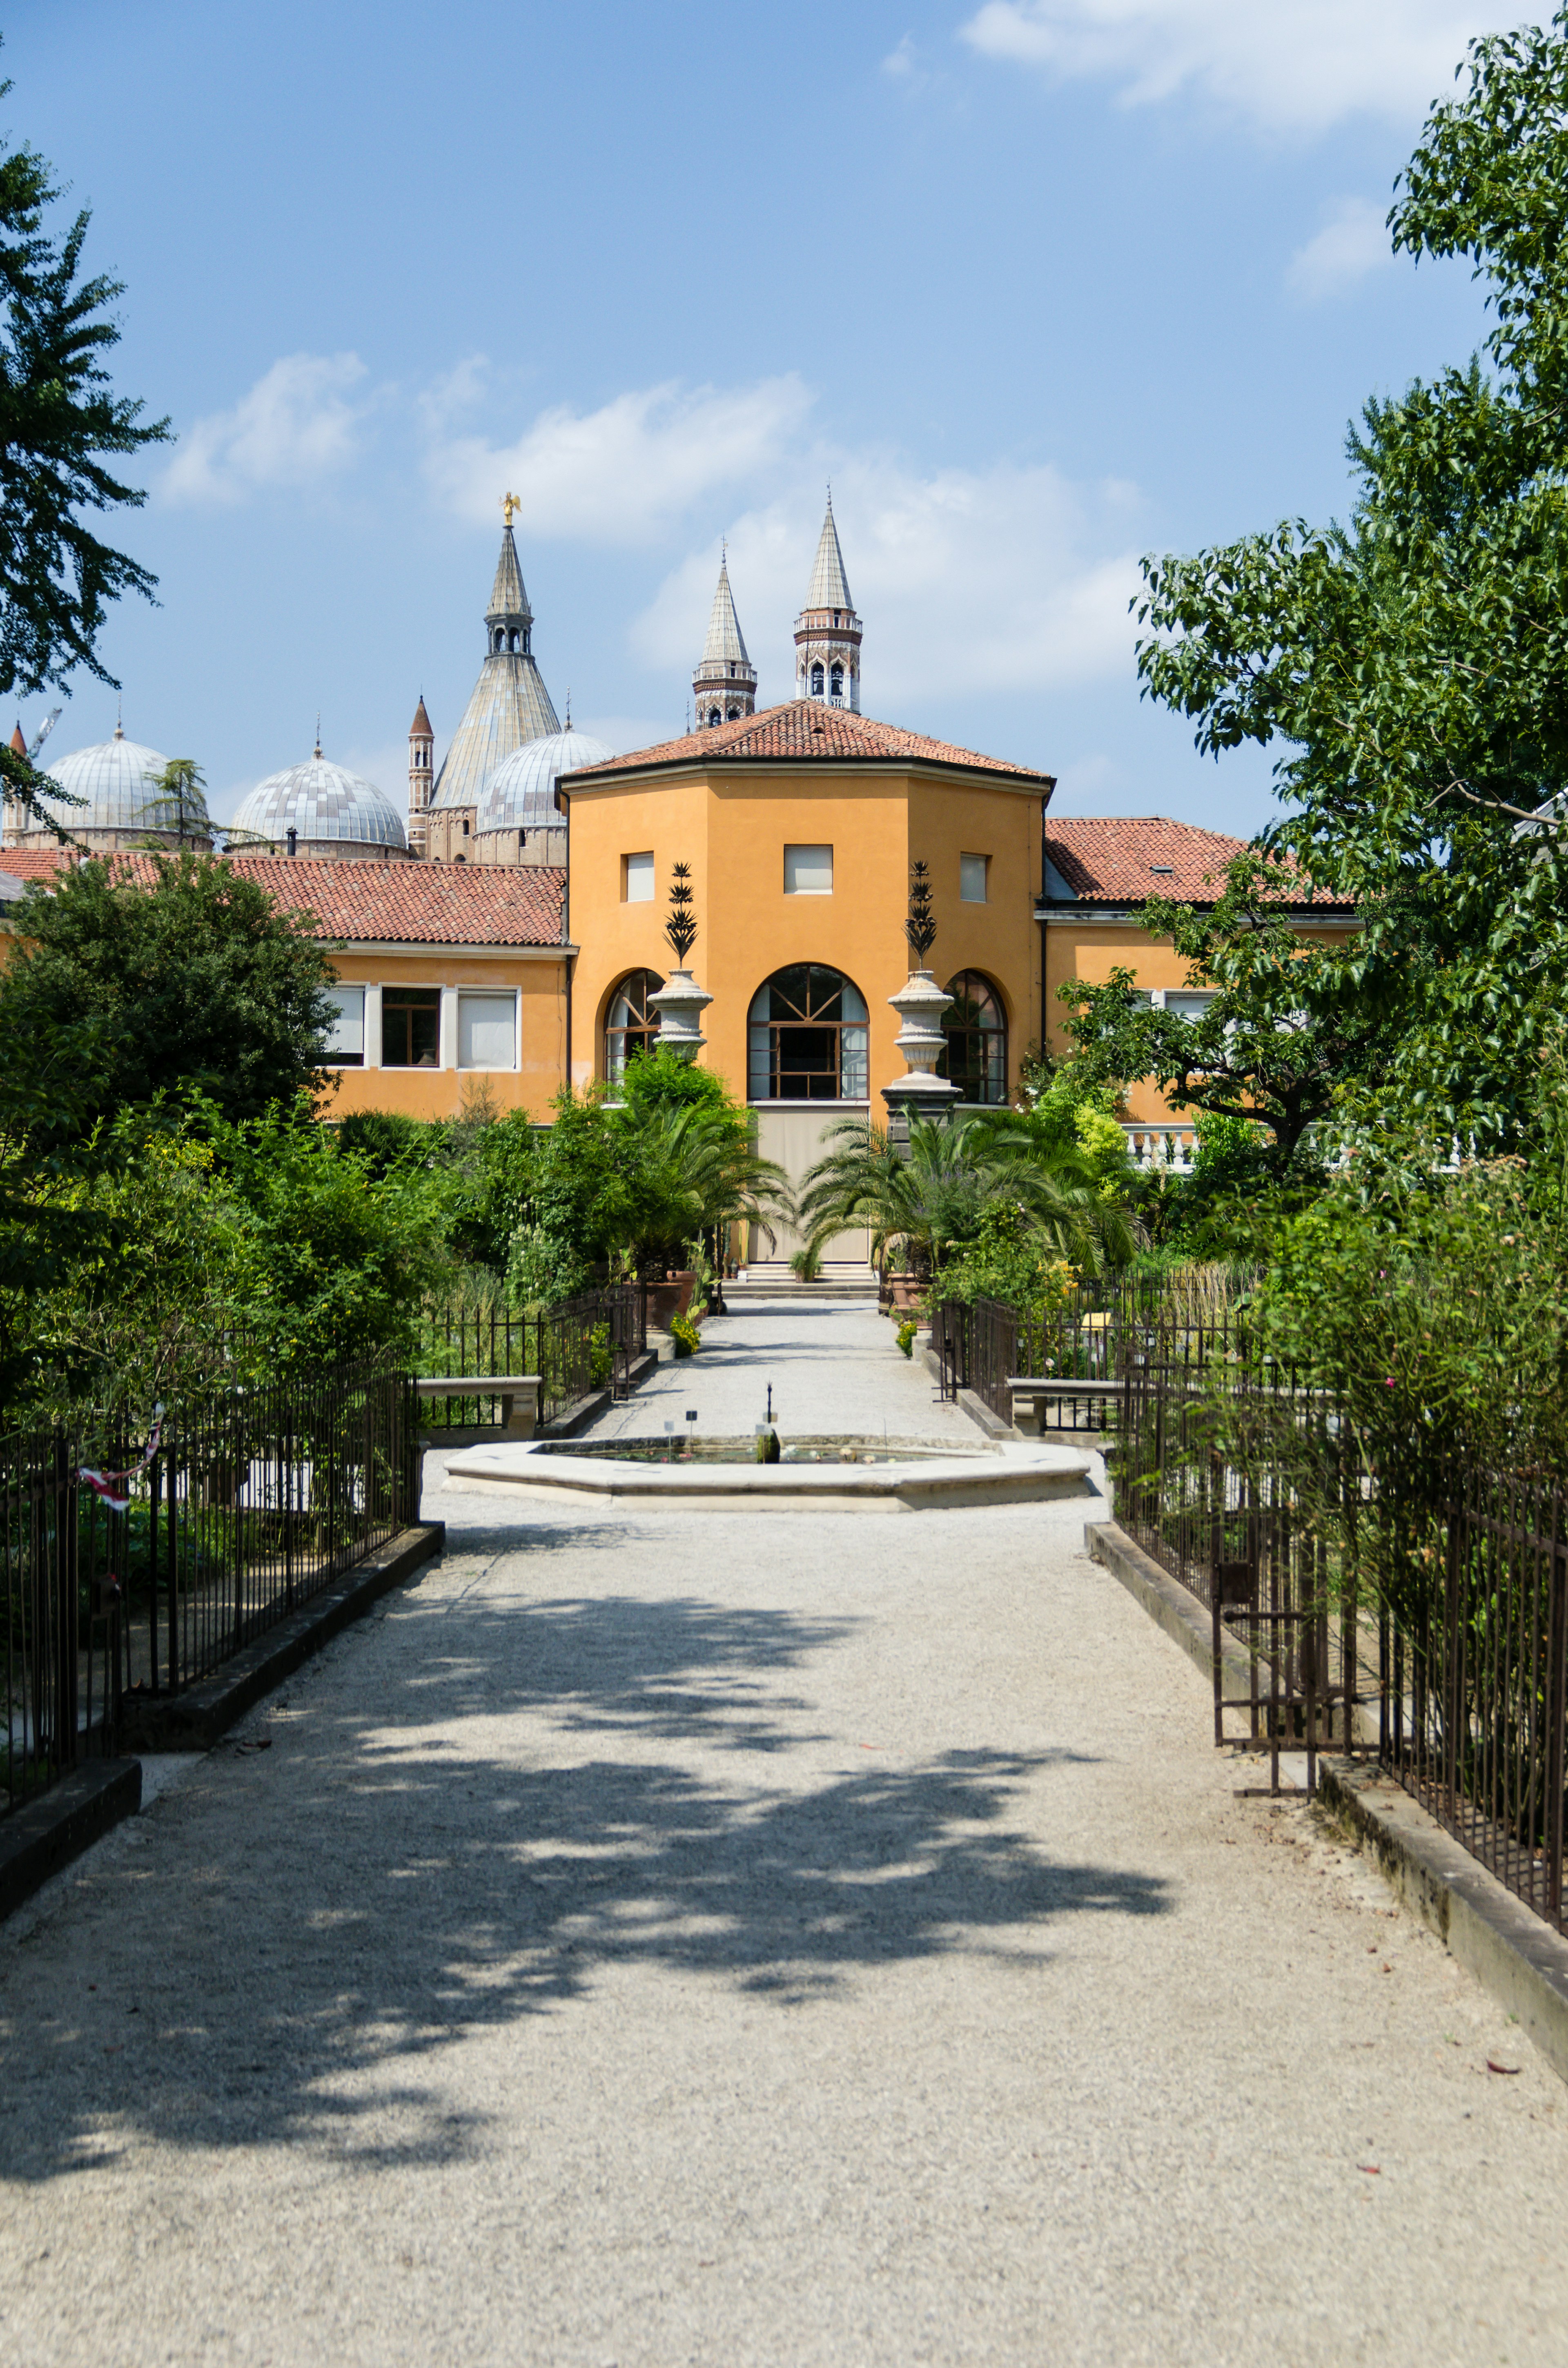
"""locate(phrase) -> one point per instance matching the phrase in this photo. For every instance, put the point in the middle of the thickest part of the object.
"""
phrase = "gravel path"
(687, 1940)
(832, 1368)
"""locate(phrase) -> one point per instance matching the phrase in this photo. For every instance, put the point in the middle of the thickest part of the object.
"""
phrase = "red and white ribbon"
(111, 1486)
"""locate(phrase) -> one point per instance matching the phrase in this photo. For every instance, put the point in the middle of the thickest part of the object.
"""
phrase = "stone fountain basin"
(935, 1474)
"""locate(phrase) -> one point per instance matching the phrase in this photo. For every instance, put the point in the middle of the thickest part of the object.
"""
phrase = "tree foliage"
(196, 982)
(1413, 660)
(59, 423)
(925, 1200)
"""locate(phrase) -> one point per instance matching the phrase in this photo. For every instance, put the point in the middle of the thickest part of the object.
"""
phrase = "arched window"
(714, 716)
(837, 682)
(976, 1028)
(806, 1035)
(630, 1026)
(817, 680)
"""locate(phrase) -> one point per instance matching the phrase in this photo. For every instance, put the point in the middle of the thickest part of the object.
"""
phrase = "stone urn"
(681, 1003)
(920, 1093)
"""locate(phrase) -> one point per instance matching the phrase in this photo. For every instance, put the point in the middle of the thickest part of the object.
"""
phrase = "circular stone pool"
(821, 1475)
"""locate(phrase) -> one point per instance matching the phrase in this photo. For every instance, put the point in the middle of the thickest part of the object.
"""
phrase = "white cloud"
(1352, 243)
(969, 581)
(1297, 66)
(295, 423)
(621, 474)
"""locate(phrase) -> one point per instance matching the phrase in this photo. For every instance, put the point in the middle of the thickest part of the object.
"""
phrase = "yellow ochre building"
(511, 931)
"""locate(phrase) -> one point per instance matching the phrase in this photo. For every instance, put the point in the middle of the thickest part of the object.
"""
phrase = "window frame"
(401, 996)
(799, 848)
(849, 1031)
(639, 856)
(646, 1031)
(991, 1043)
(334, 1057)
(968, 856)
(509, 995)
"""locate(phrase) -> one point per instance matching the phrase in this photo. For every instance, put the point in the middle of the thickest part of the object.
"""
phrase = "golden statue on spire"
(510, 505)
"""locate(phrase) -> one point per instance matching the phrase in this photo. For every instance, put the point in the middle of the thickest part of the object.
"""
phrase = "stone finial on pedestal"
(920, 1093)
(681, 1003)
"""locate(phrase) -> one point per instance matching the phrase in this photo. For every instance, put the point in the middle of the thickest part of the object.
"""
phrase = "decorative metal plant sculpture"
(921, 927)
(681, 927)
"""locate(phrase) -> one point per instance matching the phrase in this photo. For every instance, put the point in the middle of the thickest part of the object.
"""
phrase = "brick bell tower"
(828, 630)
(420, 778)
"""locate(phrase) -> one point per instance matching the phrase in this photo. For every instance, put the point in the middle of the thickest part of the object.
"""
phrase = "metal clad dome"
(520, 793)
(321, 801)
(115, 779)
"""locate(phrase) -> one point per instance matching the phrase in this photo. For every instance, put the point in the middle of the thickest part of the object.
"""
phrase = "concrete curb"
(1170, 1605)
(1522, 1962)
(193, 1720)
(37, 1841)
(1519, 1960)
(979, 1413)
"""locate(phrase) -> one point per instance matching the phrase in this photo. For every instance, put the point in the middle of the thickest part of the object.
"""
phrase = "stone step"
(775, 1281)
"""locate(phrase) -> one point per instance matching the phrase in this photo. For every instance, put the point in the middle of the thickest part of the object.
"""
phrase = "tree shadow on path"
(306, 1929)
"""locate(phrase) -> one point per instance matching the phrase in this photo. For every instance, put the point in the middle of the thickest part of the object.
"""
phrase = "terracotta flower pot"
(664, 1301)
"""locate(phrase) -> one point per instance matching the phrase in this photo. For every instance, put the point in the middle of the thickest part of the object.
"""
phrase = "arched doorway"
(807, 1070)
(976, 1028)
(806, 1037)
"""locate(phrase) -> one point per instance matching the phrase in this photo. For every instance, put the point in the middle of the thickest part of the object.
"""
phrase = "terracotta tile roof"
(805, 728)
(369, 903)
(1120, 859)
(31, 863)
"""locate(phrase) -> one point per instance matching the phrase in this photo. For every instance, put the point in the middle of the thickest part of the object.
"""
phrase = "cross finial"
(510, 505)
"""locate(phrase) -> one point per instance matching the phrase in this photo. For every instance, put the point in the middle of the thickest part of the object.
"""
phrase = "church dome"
(115, 779)
(328, 808)
(520, 793)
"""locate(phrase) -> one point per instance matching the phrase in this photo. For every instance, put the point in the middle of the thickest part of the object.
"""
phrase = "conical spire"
(508, 599)
(725, 640)
(828, 630)
(829, 584)
(725, 681)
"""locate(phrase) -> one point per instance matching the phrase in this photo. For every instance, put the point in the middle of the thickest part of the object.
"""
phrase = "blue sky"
(1041, 284)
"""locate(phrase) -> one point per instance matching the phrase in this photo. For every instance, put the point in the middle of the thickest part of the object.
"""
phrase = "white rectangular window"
(808, 872)
(637, 879)
(971, 878)
(487, 1031)
(1190, 1004)
(346, 1034)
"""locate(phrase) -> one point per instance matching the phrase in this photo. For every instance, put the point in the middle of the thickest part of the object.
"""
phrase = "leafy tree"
(1284, 1036)
(46, 1228)
(325, 1260)
(197, 981)
(57, 424)
(1414, 661)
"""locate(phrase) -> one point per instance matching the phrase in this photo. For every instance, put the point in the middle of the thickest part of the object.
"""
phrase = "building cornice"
(1051, 911)
(406, 947)
(681, 769)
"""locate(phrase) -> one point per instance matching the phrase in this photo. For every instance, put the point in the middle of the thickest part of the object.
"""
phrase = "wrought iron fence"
(585, 1344)
(984, 1345)
(1419, 1614)
(254, 1500)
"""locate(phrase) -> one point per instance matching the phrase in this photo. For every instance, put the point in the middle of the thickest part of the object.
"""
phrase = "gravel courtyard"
(692, 1939)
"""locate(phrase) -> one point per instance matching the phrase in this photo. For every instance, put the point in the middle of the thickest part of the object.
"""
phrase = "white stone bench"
(518, 1393)
(1031, 1392)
